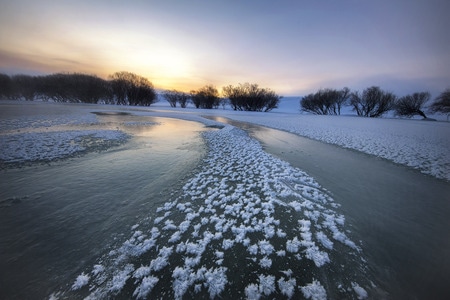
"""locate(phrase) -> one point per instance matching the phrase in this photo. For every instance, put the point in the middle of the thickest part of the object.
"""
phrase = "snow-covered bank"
(245, 225)
(418, 144)
(415, 143)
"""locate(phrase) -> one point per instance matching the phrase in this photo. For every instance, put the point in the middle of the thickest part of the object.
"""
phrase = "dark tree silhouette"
(171, 97)
(373, 102)
(250, 97)
(174, 97)
(75, 88)
(24, 86)
(442, 103)
(325, 101)
(131, 89)
(411, 105)
(206, 97)
(6, 86)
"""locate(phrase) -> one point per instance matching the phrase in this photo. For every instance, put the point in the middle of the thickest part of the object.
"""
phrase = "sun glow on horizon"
(291, 50)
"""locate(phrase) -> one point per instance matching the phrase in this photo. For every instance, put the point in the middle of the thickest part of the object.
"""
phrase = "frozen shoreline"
(414, 143)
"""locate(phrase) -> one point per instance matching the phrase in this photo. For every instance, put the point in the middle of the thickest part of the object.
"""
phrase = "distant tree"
(6, 87)
(75, 88)
(131, 89)
(340, 99)
(174, 97)
(171, 97)
(441, 103)
(23, 86)
(411, 105)
(183, 99)
(206, 97)
(325, 101)
(250, 97)
(373, 102)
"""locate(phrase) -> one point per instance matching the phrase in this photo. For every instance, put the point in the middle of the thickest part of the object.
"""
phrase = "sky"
(292, 47)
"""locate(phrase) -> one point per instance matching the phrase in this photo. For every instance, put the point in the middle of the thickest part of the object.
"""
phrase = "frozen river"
(172, 208)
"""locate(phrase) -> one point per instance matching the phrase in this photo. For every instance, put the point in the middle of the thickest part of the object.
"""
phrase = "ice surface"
(240, 199)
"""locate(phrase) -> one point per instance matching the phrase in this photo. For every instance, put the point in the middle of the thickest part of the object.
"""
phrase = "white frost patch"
(252, 291)
(265, 262)
(287, 287)
(81, 281)
(314, 291)
(266, 284)
(215, 280)
(324, 240)
(360, 292)
(120, 278)
(45, 146)
(145, 287)
(293, 245)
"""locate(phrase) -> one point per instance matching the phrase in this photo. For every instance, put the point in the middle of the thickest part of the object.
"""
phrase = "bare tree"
(373, 102)
(206, 97)
(441, 103)
(131, 89)
(174, 97)
(325, 101)
(411, 105)
(341, 99)
(171, 97)
(183, 99)
(250, 97)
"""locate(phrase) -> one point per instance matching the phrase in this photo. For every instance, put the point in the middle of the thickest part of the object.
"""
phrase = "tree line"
(243, 97)
(122, 88)
(373, 102)
(125, 88)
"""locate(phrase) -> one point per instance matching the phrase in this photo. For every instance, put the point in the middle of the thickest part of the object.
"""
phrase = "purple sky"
(292, 47)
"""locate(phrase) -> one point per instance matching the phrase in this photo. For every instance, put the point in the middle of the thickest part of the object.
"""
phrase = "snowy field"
(246, 224)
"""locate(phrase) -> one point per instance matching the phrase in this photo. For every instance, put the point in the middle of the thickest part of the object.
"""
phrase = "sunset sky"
(293, 47)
